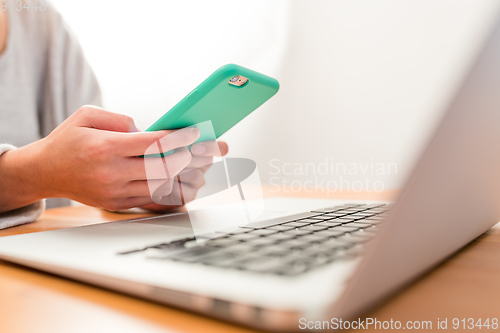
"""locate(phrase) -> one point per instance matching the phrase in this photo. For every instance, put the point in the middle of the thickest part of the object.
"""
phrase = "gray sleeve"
(21, 215)
(69, 82)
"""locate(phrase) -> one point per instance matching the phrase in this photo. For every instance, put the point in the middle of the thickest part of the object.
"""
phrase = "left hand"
(193, 175)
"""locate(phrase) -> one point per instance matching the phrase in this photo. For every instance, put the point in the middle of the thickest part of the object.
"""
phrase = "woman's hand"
(92, 158)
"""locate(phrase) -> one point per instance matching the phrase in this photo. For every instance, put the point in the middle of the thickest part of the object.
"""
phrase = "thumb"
(95, 117)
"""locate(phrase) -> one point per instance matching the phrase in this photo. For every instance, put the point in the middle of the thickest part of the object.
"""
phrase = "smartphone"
(227, 96)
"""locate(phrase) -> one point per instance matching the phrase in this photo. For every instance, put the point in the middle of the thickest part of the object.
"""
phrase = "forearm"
(19, 179)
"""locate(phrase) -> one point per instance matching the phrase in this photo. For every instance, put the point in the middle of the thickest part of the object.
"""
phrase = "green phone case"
(218, 101)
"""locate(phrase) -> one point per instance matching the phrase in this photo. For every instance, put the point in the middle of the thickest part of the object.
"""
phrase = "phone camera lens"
(234, 79)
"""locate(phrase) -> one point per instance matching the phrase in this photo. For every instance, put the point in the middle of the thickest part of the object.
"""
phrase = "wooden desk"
(466, 286)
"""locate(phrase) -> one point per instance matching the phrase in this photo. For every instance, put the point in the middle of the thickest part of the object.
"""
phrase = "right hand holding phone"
(92, 157)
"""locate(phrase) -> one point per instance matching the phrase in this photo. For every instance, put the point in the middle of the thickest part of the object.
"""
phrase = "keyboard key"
(344, 220)
(377, 217)
(261, 264)
(315, 256)
(345, 228)
(377, 211)
(262, 232)
(373, 222)
(243, 237)
(242, 248)
(309, 221)
(362, 234)
(306, 262)
(282, 236)
(337, 214)
(353, 210)
(329, 224)
(357, 216)
(262, 242)
(360, 225)
(334, 245)
(221, 242)
(373, 229)
(330, 233)
(312, 238)
(355, 251)
(315, 228)
(280, 228)
(279, 220)
(296, 224)
(353, 239)
(275, 251)
(365, 213)
(299, 232)
(296, 244)
(291, 269)
(322, 217)
(219, 259)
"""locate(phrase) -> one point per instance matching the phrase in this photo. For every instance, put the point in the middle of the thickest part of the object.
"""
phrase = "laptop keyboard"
(285, 246)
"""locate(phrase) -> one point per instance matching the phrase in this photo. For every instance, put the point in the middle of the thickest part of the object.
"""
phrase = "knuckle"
(98, 149)
(129, 121)
(108, 192)
(86, 110)
(104, 177)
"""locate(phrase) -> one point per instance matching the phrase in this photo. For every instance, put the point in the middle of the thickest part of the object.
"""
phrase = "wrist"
(20, 179)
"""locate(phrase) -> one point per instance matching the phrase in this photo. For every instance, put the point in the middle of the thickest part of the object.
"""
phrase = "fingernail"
(198, 149)
(134, 129)
(196, 131)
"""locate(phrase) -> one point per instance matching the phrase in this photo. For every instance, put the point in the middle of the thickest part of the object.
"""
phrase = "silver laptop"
(322, 259)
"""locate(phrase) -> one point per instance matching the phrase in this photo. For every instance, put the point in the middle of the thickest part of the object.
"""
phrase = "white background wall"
(361, 81)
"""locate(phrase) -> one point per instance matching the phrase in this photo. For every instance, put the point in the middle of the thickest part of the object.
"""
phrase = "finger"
(154, 207)
(193, 178)
(176, 199)
(155, 188)
(159, 167)
(163, 190)
(125, 203)
(147, 188)
(95, 117)
(189, 193)
(146, 143)
(210, 148)
(200, 161)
